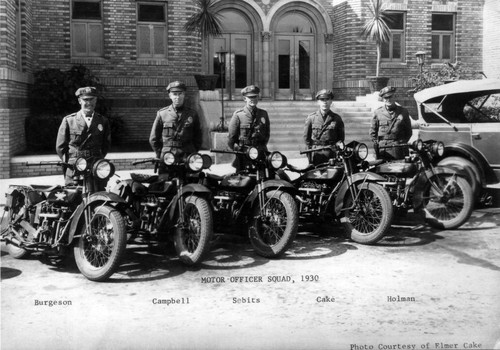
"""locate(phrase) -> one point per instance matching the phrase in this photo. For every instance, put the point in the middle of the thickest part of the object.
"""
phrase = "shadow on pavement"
(8, 272)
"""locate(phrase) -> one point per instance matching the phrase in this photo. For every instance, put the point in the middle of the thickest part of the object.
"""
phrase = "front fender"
(283, 185)
(472, 154)
(423, 179)
(187, 190)
(366, 177)
(95, 199)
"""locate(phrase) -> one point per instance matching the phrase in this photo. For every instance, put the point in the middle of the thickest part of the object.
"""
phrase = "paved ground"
(417, 289)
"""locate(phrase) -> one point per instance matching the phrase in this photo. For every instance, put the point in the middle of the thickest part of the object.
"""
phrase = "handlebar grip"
(152, 160)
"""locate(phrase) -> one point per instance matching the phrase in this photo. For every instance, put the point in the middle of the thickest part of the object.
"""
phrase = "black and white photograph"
(250, 174)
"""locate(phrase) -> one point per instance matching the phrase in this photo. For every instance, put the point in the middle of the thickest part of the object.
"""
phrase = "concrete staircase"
(288, 117)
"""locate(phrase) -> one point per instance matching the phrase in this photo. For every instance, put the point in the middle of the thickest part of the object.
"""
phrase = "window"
(152, 31)
(394, 49)
(86, 28)
(443, 37)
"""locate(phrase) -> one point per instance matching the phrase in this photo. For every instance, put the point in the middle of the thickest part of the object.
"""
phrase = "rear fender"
(470, 153)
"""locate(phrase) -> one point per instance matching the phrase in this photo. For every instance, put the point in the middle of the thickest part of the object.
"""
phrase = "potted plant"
(206, 22)
(377, 30)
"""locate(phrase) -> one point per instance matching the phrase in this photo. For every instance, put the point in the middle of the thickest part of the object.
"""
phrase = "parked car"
(465, 116)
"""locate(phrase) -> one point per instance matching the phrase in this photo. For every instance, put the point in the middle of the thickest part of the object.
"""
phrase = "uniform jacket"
(250, 130)
(176, 131)
(323, 131)
(74, 136)
(393, 126)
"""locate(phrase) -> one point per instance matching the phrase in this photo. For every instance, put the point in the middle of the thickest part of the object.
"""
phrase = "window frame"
(18, 35)
(442, 34)
(151, 55)
(390, 43)
(88, 24)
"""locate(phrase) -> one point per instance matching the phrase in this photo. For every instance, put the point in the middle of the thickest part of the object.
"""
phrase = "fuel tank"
(397, 168)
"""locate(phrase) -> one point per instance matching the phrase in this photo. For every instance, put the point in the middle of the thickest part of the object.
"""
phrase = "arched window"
(294, 22)
(234, 22)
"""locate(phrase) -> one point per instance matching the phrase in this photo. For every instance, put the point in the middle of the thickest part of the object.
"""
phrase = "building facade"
(290, 48)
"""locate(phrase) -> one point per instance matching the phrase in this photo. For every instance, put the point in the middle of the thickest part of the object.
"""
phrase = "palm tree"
(376, 28)
(205, 21)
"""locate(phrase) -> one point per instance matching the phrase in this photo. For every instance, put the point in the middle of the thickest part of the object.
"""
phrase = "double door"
(294, 67)
(236, 65)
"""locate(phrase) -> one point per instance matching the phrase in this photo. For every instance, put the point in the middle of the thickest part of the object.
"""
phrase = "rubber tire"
(464, 213)
(471, 172)
(387, 215)
(205, 223)
(99, 274)
(292, 222)
(16, 252)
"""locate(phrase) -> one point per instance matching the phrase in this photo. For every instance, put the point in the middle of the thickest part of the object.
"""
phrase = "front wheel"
(273, 229)
(368, 217)
(101, 244)
(192, 242)
(448, 201)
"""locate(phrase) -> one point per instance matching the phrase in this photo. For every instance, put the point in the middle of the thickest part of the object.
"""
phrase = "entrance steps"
(288, 117)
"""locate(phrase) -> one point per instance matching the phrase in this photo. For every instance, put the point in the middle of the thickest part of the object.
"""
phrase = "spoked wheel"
(273, 229)
(100, 248)
(448, 201)
(192, 242)
(367, 219)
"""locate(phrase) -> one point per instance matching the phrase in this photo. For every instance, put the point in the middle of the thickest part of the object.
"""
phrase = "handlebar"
(317, 149)
(48, 162)
(226, 151)
(148, 160)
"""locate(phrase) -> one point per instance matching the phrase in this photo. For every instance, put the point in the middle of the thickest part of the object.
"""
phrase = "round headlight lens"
(438, 148)
(277, 160)
(362, 151)
(253, 153)
(195, 162)
(103, 169)
(340, 145)
(418, 145)
(81, 164)
(169, 158)
(207, 161)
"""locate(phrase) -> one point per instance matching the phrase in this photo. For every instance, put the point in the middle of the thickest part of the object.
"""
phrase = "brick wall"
(491, 44)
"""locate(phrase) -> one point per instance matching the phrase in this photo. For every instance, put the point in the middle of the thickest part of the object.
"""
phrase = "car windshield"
(463, 108)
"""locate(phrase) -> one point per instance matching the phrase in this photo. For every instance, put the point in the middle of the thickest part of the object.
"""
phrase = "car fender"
(366, 177)
(473, 155)
(94, 199)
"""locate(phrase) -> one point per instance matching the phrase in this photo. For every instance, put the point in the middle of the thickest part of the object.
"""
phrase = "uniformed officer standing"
(83, 134)
(391, 127)
(323, 128)
(249, 126)
(176, 128)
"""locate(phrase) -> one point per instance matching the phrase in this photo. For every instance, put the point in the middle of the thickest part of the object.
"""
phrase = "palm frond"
(205, 21)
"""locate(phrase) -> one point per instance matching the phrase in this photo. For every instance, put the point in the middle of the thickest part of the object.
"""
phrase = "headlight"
(361, 151)
(418, 145)
(277, 160)
(195, 162)
(340, 145)
(438, 148)
(81, 164)
(253, 153)
(103, 169)
(207, 161)
(169, 158)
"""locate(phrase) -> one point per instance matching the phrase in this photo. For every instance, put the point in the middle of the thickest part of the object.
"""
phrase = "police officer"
(249, 126)
(83, 134)
(323, 128)
(391, 127)
(176, 127)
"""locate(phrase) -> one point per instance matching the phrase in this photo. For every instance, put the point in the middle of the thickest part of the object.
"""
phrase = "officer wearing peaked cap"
(391, 127)
(249, 126)
(323, 127)
(84, 133)
(176, 127)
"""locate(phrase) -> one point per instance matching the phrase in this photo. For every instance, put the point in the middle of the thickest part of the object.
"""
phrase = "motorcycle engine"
(312, 195)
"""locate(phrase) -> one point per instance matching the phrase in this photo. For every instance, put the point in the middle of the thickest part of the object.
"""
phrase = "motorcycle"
(335, 190)
(252, 200)
(439, 192)
(54, 219)
(171, 205)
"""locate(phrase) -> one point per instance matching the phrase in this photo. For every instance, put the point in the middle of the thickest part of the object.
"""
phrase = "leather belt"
(173, 143)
